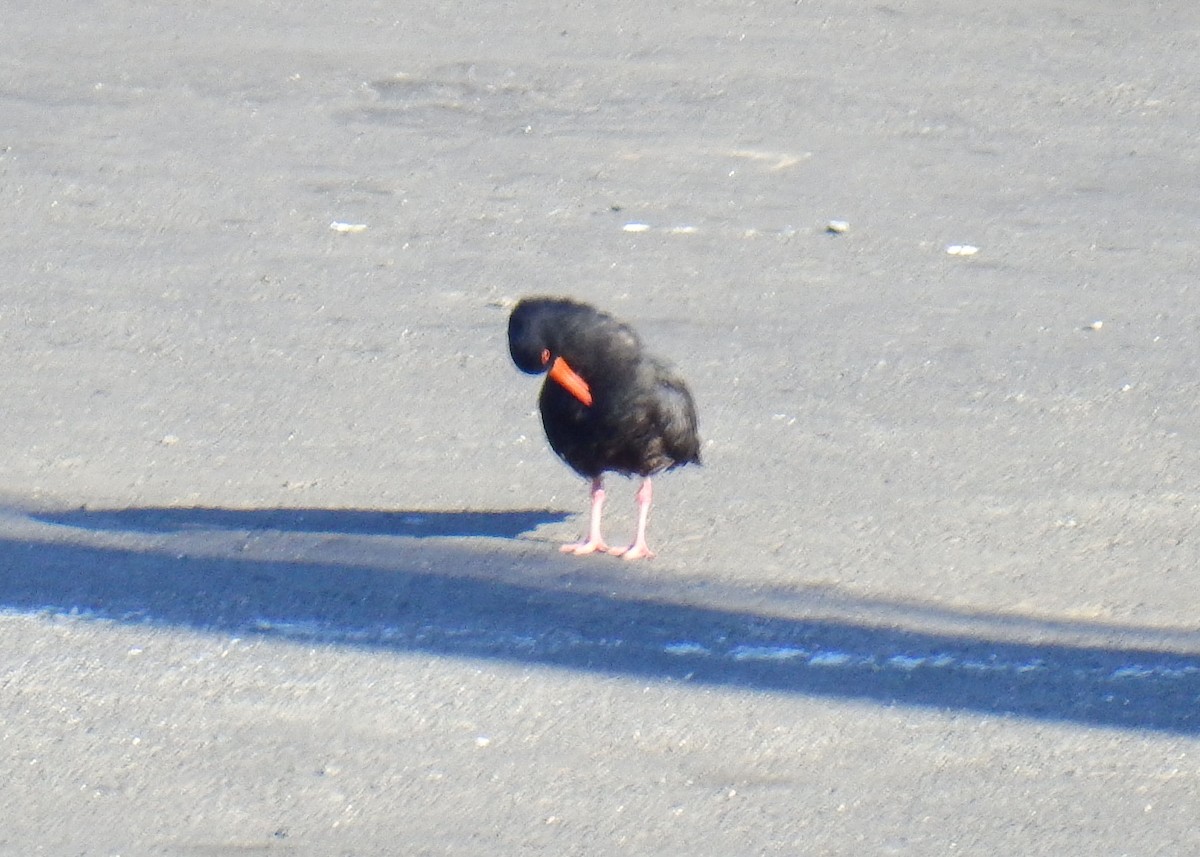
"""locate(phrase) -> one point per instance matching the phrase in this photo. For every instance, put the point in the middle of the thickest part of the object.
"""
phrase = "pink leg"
(595, 542)
(639, 549)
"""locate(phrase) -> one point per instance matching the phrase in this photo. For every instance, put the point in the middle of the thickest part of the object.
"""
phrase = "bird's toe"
(634, 551)
(585, 548)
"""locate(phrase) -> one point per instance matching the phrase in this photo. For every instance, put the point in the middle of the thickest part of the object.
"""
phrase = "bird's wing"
(677, 415)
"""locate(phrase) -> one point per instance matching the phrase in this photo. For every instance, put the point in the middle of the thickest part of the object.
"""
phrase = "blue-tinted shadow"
(525, 604)
(411, 524)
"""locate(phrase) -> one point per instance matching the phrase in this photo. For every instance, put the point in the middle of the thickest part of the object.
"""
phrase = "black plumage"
(607, 405)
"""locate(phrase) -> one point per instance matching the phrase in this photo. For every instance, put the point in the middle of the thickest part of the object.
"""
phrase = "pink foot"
(594, 542)
(637, 550)
(585, 548)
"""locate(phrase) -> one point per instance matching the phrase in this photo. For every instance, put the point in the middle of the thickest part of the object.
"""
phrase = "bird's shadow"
(458, 584)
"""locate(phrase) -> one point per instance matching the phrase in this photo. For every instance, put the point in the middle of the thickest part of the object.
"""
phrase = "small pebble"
(338, 226)
(962, 250)
(837, 227)
(1095, 325)
(636, 227)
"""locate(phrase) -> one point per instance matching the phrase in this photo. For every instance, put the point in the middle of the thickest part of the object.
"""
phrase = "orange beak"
(569, 380)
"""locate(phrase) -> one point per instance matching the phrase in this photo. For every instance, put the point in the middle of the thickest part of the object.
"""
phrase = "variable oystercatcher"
(607, 405)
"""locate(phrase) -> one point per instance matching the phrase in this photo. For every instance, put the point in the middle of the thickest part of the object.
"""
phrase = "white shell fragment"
(636, 227)
(837, 227)
(338, 226)
(1095, 325)
(962, 250)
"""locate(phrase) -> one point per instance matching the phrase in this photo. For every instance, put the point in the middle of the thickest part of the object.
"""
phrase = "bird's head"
(529, 337)
(532, 343)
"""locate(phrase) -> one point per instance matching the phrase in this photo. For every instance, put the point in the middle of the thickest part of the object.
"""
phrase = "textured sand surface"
(278, 566)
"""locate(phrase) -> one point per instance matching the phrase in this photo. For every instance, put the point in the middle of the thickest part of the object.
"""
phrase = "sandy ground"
(277, 542)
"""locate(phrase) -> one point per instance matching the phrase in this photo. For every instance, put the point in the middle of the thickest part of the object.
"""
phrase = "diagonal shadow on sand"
(413, 524)
(356, 578)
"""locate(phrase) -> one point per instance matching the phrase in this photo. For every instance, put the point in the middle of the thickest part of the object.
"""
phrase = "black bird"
(606, 406)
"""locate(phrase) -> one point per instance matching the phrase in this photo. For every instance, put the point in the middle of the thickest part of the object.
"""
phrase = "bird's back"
(642, 419)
